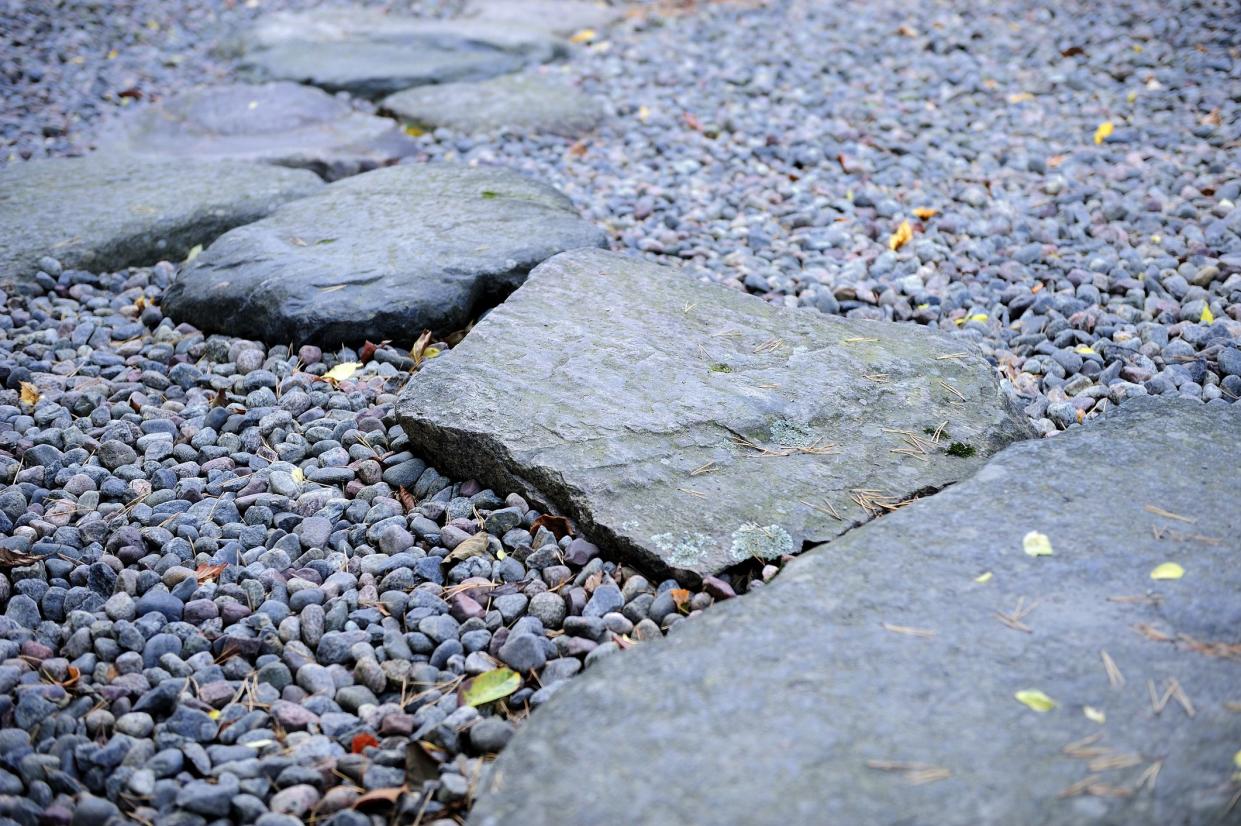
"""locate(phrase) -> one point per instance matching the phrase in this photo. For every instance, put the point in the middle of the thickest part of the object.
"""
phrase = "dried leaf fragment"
(361, 742)
(379, 798)
(341, 371)
(29, 393)
(583, 36)
(476, 545)
(1034, 699)
(418, 351)
(925, 212)
(1094, 715)
(560, 526)
(1036, 544)
(1104, 131)
(903, 235)
(1168, 570)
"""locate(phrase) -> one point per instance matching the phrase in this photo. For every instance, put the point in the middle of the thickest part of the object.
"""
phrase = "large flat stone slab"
(523, 103)
(371, 54)
(106, 212)
(687, 426)
(873, 682)
(382, 255)
(281, 123)
(561, 17)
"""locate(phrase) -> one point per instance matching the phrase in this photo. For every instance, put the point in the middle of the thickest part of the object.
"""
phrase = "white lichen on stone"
(684, 549)
(763, 542)
(789, 433)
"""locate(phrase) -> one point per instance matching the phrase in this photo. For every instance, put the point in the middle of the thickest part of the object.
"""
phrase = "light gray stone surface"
(281, 123)
(621, 392)
(371, 54)
(768, 708)
(382, 255)
(562, 17)
(106, 212)
(524, 103)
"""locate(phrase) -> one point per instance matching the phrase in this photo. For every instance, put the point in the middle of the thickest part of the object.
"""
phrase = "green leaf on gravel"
(1036, 700)
(1036, 544)
(490, 686)
(488, 195)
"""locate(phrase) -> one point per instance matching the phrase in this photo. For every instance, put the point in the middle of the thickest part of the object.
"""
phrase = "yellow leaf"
(500, 554)
(1105, 129)
(342, 371)
(1036, 544)
(490, 686)
(1020, 97)
(583, 36)
(29, 393)
(644, 113)
(430, 352)
(982, 578)
(1236, 760)
(113, 55)
(214, 714)
(1168, 570)
(193, 253)
(413, 131)
(1094, 715)
(1036, 700)
(298, 475)
(978, 317)
(1207, 316)
(1084, 350)
(1131, 97)
(925, 212)
(903, 235)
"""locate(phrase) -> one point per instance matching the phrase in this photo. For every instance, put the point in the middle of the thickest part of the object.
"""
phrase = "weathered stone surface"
(767, 708)
(381, 255)
(371, 54)
(280, 123)
(104, 212)
(561, 17)
(688, 426)
(523, 103)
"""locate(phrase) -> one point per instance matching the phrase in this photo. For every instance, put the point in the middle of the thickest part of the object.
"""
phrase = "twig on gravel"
(1158, 511)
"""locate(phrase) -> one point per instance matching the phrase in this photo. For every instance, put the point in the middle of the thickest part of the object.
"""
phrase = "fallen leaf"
(298, 475)
(907, 31)
(692, 122)
(644, 113)
(413, 131)
(583, 36)
(1168, 570)
(476, 545)
(983, 578)
(1020, 97)
(925, 212)
(406, 499)
(362, 741)
(29, 393)
(14, 559)
(367, 352)
(341, 371)
(420, 766)
(560, 526)
(681, 597)
(193, 253)
(206, 573)
(1036, 700)
(490, 686)
(1105, 129)
(220, 400)
(418, 351)
(214, 714)
(1036, 544)
(1094, 715)
(377, 798)
(1207, 316)
(903, 235)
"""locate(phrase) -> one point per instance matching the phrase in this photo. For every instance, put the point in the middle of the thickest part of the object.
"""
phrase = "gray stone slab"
(106, 212)
(561, 17)
(692, 427)
(523, 103)
(371, 54)
(768, 708)
(382, 255)
(281, 123)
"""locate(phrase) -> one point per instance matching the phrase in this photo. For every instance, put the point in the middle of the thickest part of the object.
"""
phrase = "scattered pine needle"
(815, 448)
(858, 340)
(954, 391)
(951, 356)
(1114, 678)
(1138, 599)
(877, 378)
(1148, 777)
(924, 633)
(1014, 619)
(1085, 748)
(826, 508)
(701, 469)
(697, 493)
(915, 773)
(1114, 761)
(1158, 511)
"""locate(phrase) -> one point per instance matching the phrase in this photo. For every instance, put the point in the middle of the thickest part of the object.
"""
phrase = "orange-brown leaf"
(362, 741)
(692, 122)
(560, 526)
(206, 573)
(367, 352)
(29, 393)
(406, 499)
(681, 597)
(418, 351)
(379, 798)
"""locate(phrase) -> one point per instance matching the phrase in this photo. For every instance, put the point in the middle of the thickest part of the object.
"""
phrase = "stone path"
(134, 211)
(690, 427)
(520, 103)
(379, 256)
(370, 54)
(280, 123)
(875, 680)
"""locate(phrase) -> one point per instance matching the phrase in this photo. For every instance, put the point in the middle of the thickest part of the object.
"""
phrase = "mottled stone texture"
(520, 103)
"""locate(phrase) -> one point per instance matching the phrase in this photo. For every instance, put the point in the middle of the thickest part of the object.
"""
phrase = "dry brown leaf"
(692, 122)
(578, 149)
(206, 573)
(418, 351)
(560, 526)
(681, 597)
(406, 499)
(476, 545)
(29, 393)
(903, 235)
(379, 798)
(14, 559)
(367, 352)
(925, 212)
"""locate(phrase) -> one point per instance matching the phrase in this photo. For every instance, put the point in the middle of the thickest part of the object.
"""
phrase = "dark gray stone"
(780, 698)
(659, 381)
(378, 255)
(371, 54)
(279, 123)
(107, 212)
(525, 103)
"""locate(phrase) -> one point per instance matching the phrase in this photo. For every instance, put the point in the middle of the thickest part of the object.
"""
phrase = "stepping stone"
(873, 680)
(560, 17)
(688, 426)
(382, 255)
(104, 213)
(521, 103)
(279, 123)
(371, 54)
